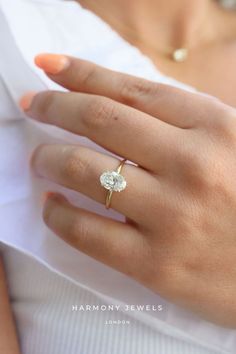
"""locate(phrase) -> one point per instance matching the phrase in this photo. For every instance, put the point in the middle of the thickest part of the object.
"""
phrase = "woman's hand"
(180, 202)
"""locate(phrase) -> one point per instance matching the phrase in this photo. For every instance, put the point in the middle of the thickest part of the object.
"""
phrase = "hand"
(180, 202)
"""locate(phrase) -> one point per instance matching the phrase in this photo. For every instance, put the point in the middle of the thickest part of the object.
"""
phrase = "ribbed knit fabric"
(42, 305)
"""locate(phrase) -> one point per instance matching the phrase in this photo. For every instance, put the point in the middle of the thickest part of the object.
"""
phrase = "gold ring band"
(113, 181)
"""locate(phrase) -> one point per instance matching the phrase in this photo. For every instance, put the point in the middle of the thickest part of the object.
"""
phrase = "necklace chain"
(176, 54)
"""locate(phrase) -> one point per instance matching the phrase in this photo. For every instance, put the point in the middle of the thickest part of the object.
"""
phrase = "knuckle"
(203, 168)
(202, 180)
(78, 232)
(132, 90)
(101, 113)
(77, 164)
(192, 160)
(225, 126)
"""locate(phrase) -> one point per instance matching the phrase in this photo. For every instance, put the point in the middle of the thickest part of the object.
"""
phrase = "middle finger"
(123, 130)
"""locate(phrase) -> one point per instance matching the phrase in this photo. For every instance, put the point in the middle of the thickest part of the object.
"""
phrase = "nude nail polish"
(52, 195)
(46, 195)
(52, 63)
(26, 100)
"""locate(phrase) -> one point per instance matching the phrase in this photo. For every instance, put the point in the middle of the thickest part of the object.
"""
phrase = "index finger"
(170, 104)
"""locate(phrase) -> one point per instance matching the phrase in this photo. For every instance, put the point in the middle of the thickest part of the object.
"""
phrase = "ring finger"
(79, 168)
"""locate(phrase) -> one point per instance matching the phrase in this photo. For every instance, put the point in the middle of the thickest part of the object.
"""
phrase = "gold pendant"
(180, 55)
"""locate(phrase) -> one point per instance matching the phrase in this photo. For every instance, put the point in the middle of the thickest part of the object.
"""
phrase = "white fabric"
(26, 29)
(53, 317)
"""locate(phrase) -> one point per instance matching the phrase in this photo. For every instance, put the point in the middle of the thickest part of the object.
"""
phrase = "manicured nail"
(26, 100)
(46, 195)
(51, 195)
(52, 63)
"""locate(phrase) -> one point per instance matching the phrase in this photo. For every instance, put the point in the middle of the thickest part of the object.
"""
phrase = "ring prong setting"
(113, 181)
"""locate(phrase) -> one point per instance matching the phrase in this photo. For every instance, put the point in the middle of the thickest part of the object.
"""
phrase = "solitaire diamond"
(113, 181)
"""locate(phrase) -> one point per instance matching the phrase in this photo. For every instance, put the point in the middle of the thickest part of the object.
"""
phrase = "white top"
(27, 28)
(55, 316)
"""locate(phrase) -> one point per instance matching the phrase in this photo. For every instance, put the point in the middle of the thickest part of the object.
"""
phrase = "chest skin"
(211, 70)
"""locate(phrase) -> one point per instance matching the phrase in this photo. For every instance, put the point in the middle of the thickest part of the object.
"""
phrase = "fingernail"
(26, 100)
(52, 63)
(51, 195)
(46, 195)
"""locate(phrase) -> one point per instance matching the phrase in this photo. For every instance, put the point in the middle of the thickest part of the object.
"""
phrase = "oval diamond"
(113, 181)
